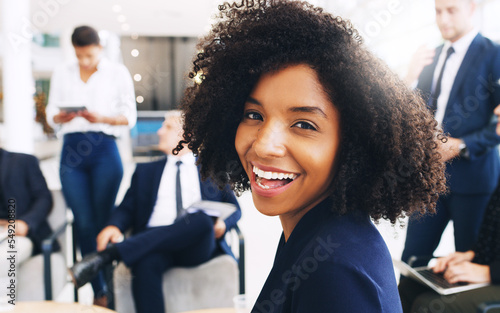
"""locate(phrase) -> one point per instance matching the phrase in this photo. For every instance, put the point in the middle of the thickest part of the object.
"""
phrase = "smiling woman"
(292, 106)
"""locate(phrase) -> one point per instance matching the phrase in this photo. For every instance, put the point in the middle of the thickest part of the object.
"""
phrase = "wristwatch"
(463, 152)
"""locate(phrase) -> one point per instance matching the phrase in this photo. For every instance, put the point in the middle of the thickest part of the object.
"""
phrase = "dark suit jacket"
(139, 201)
(23, 181)
(469, 116)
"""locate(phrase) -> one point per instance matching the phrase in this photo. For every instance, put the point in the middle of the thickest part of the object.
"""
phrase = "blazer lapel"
(4, 167)
(470, 59)
(156, 174)
(204, 185)
(426, 77)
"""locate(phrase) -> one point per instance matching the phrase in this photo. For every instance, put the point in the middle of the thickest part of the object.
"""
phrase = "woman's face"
(88, 56)
(287, 142)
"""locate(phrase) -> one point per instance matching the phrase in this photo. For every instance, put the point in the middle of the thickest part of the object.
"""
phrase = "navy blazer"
(23, 181)
(139, 201)
(469, 116)
(331, 263)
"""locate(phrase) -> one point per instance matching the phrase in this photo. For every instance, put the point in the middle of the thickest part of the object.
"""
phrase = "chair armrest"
(486, 306)
(241, 258)
(47, 249)
(48, 243)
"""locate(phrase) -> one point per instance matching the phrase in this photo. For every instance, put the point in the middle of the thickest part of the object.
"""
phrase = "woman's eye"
(253, 116)
(305, 125)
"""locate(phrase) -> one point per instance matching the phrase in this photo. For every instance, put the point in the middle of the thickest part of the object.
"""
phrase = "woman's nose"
(270, 141)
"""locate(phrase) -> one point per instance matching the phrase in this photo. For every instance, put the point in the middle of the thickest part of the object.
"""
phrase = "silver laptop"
(436, 281)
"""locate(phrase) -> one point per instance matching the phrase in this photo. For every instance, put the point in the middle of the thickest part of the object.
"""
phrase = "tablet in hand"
(73, 109)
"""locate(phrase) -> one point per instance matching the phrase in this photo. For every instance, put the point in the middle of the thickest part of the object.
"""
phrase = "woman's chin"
(267, 209)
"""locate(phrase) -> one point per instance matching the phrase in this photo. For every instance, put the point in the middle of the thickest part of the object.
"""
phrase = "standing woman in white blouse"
(91, 169)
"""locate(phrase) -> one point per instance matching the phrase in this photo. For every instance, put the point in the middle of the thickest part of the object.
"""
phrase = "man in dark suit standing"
(25, 202)
(459, 81)
(160, 240)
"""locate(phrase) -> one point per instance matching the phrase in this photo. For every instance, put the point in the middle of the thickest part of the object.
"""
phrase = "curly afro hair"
(388, 163)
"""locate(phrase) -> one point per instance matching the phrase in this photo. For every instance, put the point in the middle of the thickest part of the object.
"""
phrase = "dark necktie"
(437, 90)
(178, 189)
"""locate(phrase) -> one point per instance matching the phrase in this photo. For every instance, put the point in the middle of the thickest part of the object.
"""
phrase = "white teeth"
(273, 175)
(261, 173)
(260, 184)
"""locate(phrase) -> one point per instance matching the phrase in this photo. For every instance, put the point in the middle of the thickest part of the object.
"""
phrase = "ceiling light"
(121, 18)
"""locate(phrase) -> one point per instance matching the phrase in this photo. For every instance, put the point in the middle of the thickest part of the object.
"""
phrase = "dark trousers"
(424, 232)
(91, 172)
(417, 298)
(190, 241)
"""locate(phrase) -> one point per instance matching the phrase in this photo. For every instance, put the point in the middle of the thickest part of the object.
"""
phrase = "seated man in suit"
(25, 202)
(159, 239)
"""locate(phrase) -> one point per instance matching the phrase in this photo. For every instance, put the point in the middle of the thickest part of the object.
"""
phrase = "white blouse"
(109, 92)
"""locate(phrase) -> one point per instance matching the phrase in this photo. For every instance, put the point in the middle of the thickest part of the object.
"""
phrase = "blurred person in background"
(481, 264)
(458, 80)
(162, 237)
(88, 102)
(25, 200)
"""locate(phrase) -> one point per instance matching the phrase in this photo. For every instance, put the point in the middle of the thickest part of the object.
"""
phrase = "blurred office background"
(156, 40)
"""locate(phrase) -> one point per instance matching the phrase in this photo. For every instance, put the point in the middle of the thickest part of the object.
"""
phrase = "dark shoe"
(101, 301)
(87, 269)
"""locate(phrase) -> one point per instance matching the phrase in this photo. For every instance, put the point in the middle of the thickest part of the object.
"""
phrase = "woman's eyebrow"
(304, 109)
(254, 101)
(308, 109)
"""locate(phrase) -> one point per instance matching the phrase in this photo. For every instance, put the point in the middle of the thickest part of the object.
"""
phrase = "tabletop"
(57, 307)
(220, 310)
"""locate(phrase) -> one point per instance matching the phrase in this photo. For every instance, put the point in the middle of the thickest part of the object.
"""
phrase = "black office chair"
(48, 248)
(43, 276)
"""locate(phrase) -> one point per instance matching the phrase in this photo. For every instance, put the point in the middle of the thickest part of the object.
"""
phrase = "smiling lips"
(271, 180)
